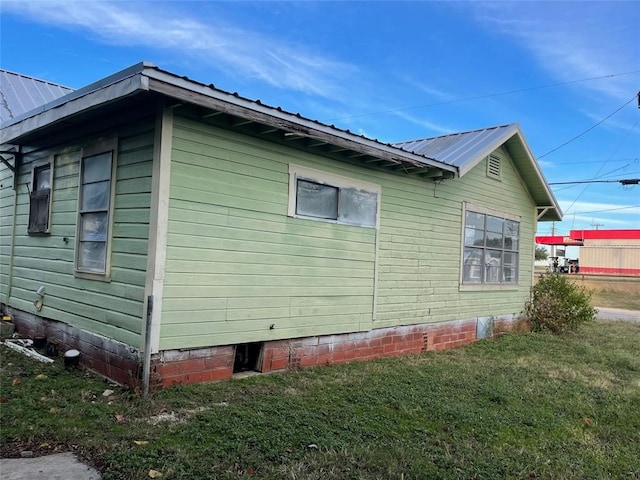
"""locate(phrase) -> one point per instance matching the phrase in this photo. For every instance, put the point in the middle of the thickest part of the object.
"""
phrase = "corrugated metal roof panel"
(20, 94)
(459, 149)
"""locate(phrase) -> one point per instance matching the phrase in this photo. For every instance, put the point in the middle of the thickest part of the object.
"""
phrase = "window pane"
(93, 226)
(95, 196)
(358, 207)
(510, 274)
(494, 224)
(39, 211)
(42, 178)
(494, 240)
(316, 200)
(498, 246)
(510, 258)
(474, 220)
(511, 243)
(472, 268)
(96, 168)
(92, 256)
(473, 237)
(492, 266)
(511, 231)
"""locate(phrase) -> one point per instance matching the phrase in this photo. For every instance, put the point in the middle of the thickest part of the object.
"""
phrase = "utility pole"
(597, 225)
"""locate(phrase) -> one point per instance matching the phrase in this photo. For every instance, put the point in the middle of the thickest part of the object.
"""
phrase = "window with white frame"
(318, 195)
(40, 199)
(95, 208)
(491, 249)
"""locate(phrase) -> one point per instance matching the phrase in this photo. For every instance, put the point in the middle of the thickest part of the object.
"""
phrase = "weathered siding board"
(6, 228)
(110, 308)
(238, 269)
(434, 218)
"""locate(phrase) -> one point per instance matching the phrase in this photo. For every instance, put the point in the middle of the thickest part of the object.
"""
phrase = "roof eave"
(147, 77)
(549, 201)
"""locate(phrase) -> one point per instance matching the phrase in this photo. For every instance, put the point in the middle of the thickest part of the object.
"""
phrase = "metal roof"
(21, 93)
(145, 77)
(465, 150)
(459, 149)
(437, 157)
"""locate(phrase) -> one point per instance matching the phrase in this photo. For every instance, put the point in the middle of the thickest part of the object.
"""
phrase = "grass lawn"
(523, 406)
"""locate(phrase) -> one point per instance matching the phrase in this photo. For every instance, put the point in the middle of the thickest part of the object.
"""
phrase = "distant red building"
(602, 252)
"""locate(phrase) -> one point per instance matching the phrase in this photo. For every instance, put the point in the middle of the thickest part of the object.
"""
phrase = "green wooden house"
(174, 232)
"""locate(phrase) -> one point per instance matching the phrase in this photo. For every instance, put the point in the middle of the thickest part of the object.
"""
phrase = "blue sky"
(392, 71)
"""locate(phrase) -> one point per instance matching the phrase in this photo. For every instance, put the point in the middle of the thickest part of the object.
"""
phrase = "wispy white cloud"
(433, 127)
(432, 91)
(574, 40)
(274, 61)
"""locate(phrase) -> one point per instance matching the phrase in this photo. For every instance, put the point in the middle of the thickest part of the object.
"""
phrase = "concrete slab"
(619, 314)
(61, 466)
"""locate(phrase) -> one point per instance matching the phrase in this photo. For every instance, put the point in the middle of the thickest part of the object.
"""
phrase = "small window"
(95, 210)
(323, 196)
(40, 200)
(491, 249)
(493, 166)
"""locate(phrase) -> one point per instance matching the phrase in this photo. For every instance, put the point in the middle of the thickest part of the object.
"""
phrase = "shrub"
(559, 305)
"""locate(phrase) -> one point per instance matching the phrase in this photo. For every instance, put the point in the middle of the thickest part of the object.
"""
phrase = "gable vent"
(493, 166)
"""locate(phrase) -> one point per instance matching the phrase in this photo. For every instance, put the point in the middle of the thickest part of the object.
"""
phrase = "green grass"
(523, 406)
(615, 299)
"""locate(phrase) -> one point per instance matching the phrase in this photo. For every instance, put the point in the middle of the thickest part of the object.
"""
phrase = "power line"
(626, 181)
(618, 160)
(607, 210)
(603, 165)
(490, 95)
(588, 129)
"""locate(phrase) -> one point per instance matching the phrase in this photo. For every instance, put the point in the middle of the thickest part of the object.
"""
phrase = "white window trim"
(104, 146)
(325, 178)
(475, 287)
(41, 163)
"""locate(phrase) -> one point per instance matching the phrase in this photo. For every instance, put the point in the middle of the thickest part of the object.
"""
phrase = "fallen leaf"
(54, 410)
(16, 381)
(119, 418)
(249, 472)
(587, 421)
(3, 400)
(44, 445)
(155, 473)
(312, 446)
(107, 393)
(141, 442)
(42, 376)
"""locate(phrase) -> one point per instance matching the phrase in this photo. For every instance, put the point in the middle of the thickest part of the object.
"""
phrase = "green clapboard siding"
(238, 268)
(420, 248)
(7, 200)
(112, 308)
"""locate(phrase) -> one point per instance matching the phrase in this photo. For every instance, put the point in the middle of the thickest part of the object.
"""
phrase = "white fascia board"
(538, 171)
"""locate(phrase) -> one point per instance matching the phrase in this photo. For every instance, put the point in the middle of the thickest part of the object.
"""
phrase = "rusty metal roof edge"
(277, 112)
